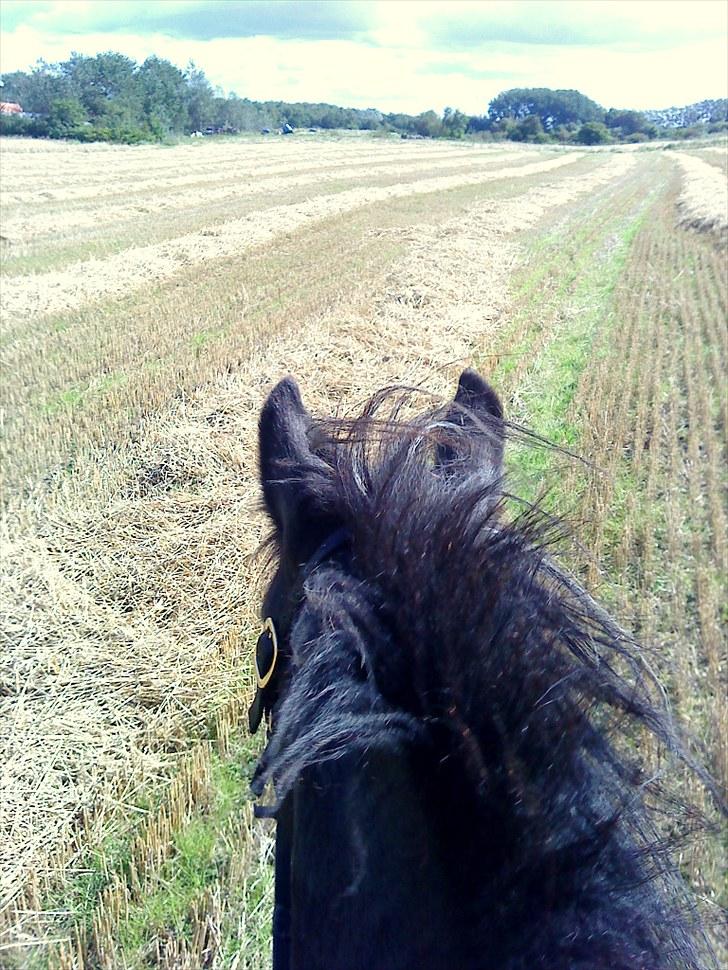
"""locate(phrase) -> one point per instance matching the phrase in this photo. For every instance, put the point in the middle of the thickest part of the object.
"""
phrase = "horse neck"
(369, 874)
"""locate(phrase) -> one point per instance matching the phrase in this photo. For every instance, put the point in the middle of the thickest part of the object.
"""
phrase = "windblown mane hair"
(448, 629)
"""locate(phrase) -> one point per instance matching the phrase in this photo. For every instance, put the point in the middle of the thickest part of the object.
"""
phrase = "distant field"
(151, 296)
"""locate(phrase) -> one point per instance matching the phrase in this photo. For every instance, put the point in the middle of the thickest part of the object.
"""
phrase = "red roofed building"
(10, 108)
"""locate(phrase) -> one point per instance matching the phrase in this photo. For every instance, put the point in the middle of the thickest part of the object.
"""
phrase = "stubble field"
(150, 298)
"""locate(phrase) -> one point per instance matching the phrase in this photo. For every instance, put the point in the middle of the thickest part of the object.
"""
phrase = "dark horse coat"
(454, 720)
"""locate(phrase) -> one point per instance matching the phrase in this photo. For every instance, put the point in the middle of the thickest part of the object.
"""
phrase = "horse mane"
(446, 626)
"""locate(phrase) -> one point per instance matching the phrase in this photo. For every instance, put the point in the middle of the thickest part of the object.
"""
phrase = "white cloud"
(397, 71)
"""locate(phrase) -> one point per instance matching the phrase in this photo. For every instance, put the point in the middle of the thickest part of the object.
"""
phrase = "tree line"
(109, 97)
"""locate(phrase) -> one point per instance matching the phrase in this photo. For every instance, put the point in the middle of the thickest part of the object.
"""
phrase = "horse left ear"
(476, 406)
(284, 450)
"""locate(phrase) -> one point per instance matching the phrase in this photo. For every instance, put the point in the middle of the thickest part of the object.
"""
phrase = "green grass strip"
(574, 287)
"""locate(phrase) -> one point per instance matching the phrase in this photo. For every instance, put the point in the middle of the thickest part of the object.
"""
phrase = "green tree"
(107, 86)
(164, 91)
(249, 115)
(36, 91)
(331, 118)
(16, 87)
(505, 127)
(454, 123)
(479, 123)
(593, 133)
(199, 98)
(553, 107)
(428, 124)
(563, 133)
(370, 119)
(628, 122)
(398, 121)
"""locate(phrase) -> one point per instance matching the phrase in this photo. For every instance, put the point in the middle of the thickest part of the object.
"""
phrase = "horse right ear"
(476, 406)
(284, 450)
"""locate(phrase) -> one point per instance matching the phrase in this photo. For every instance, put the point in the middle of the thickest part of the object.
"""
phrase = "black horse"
(454, 722)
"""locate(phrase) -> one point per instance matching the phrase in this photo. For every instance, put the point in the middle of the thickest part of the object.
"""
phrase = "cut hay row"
(715, 155)
(716, 159)
(88, 375)
(144, 218)
(148, 559)
(179, 169)
(707, 486)
(712, 298)
(71, 157)
(703, 202)
(188, 791)
(215, 159)
(151, 199)
(120, 274)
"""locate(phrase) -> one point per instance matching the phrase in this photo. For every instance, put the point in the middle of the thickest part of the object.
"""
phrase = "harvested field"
(117, 275)
(129, 574)
(263, 182)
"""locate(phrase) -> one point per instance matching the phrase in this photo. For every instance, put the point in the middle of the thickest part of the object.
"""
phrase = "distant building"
(10, 108)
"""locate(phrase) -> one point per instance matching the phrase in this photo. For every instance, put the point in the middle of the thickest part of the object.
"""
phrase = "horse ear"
(476, 406)
(476, 394)
(284, 449)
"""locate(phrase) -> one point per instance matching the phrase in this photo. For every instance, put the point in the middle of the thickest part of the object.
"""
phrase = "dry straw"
(111, 202)
(118, 275)
(84, 176)
(703, 202)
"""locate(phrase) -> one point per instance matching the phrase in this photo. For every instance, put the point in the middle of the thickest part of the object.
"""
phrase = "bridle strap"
(262, 703)
(337, 539)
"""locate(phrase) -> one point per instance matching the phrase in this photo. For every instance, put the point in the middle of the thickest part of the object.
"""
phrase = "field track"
(140, 348)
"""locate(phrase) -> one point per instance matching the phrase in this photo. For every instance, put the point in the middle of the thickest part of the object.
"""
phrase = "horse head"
(453, 720)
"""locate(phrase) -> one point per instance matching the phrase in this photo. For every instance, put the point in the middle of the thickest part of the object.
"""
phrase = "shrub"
(31, 127)
(530, 129)
(66, 117)
(593, 133)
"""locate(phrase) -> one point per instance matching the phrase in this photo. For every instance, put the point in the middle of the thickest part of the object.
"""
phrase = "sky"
(398, 55)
